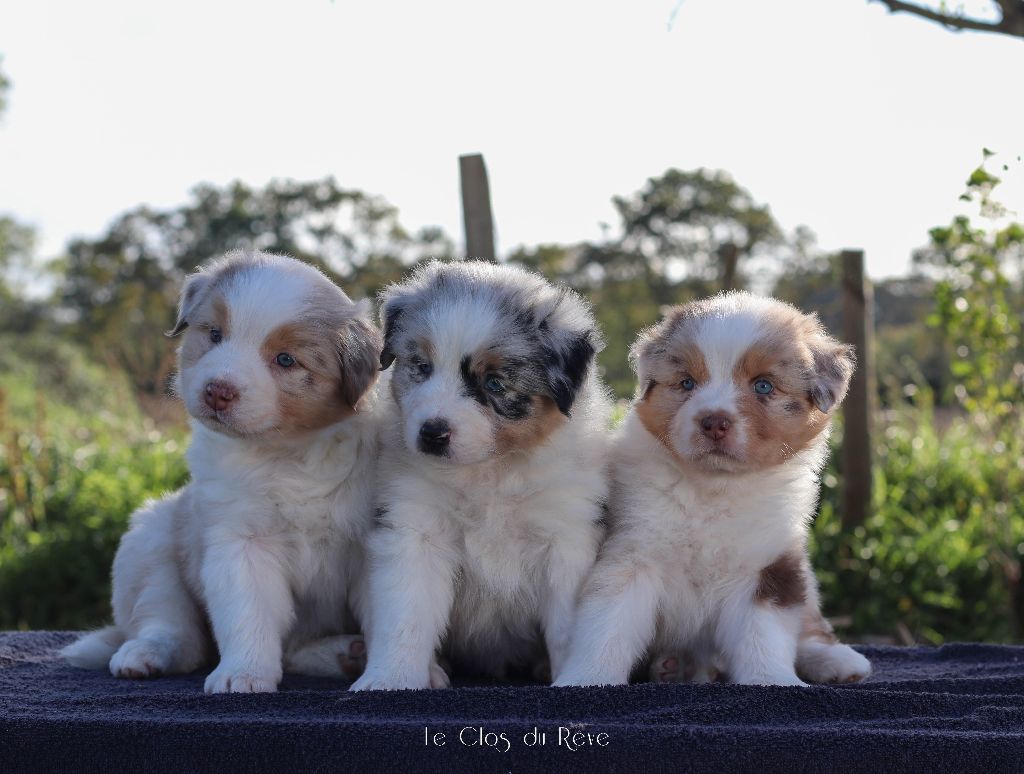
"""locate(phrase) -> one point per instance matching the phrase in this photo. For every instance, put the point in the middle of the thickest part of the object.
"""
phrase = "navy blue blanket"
(955, 708)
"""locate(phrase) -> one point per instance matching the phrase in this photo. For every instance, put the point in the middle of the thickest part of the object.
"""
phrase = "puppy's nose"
(715, 426)
(435, 434)
(219, 395)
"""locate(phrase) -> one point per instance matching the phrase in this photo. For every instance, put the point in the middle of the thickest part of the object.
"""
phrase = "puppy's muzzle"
(435, 435)
(715, 426)
(220, 395)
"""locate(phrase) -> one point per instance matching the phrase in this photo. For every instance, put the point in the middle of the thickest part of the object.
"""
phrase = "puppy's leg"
(822, 658)
(569, 561)
(614, 625)
(440, 676)
(162, 627)
(758, 640)
(166, 631)
(412, 584)
(246, 587)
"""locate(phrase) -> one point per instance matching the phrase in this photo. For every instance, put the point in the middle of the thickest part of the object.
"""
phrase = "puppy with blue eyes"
(263, 549)
(492, 475)
(714, 476)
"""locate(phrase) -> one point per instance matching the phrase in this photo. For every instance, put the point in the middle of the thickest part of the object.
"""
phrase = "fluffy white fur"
(264, 547)
(482, 547)
(705, 568)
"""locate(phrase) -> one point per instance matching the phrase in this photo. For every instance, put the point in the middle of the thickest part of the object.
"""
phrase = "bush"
(939, 558)
(76, 458)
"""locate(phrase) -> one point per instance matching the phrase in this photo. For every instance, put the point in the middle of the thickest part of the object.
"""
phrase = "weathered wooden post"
(858, 411)
(729, 256)
(476, 207)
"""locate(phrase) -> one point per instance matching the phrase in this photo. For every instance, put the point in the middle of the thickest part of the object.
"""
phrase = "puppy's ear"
(568, 359)
(358, 350)
(570, 340)
(192, 292)
(641, 351)
(390, 311)
(831, 372)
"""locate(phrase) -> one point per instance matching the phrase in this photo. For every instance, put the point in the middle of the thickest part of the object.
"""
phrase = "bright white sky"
(861, 125)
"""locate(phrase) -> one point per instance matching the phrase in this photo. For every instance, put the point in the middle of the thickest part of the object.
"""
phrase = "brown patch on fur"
(783, 582)
(525, 434)
(666, 365)
(211, 312)
(657, 409)
(785, 421)
(309, 395)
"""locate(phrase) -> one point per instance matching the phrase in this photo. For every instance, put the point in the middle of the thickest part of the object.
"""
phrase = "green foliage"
(76, 458)
(939, 558)
(689, 218)
(941, 555)
(978, 304)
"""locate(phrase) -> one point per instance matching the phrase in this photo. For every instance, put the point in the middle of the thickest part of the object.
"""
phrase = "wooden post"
(476, 207)
(729, 255)
(858, 409)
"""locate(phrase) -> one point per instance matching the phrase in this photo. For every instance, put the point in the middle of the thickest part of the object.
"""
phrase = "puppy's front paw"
(231, 678)
(573, 677)
(378, 680)
(836, 663)
(781, 677)
(439, 677)
(140, 658)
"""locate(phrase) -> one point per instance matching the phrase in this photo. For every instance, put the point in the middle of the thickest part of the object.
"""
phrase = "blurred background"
(645, 153)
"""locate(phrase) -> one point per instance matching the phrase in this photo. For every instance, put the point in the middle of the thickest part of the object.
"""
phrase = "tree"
(119, 290)
(979, 302)
(698, 224)
(17, 245)
(1010, 12)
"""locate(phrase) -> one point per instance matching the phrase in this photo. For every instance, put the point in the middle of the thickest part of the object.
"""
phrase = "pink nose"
(220, 394)
(715, 426)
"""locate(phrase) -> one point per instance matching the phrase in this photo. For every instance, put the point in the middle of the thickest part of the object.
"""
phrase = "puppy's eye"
(763, 386)
(493, 384)
(285, 360)
(422, 368)
(215, 335)
(688, 384)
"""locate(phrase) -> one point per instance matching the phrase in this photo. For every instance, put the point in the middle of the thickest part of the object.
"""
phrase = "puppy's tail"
(93, 651)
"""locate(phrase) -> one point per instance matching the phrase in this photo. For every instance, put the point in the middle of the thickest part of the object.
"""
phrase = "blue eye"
(215, 335)
(688, 384)
(763, 386)
(285, 360)
(423, 368)
(494, 384)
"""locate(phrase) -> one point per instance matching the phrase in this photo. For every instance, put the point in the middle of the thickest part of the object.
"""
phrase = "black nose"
(434, 436)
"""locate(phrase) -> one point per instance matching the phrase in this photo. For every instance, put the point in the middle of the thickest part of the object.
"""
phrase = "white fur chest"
(708, 537)
(274, 490)
(502, 549)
